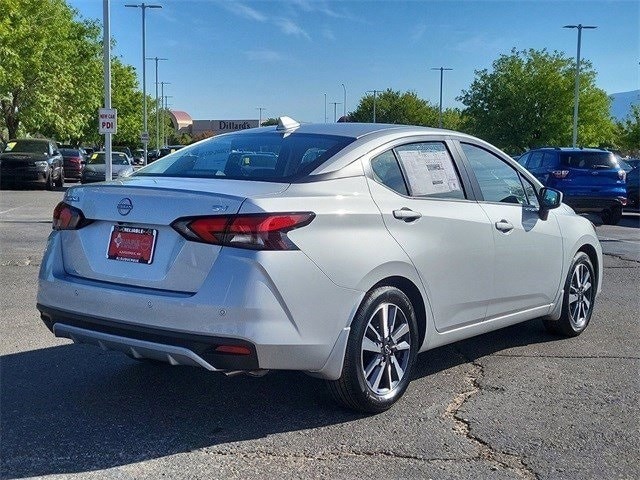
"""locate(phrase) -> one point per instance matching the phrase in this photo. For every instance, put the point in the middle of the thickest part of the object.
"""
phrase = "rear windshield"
(69, 152)
(588, 159)
(117, 158)
(27, 146)
(265, 156)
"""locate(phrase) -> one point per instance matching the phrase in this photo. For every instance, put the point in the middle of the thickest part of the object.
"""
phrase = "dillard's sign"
(221, 126)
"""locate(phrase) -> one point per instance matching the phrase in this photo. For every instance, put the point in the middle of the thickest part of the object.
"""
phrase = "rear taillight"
(560, 173)
(622, 175)
(261, 231)
(66, 217)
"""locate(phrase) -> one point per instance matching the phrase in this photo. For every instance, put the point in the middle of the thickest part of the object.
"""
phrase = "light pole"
(260, 120)
(157, 104)
(325, 108)
(442, 69)
(335, 104)
(344, 103)
(106, 50)
(165, 100)
(145, 141)
(375, 92)
(577, 89)
(162, 84)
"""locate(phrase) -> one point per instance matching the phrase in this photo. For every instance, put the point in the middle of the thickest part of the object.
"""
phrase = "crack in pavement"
(462, 425)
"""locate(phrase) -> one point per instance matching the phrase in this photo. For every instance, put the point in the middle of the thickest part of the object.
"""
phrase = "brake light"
(560, 173)
(67, 217)
(262, 231)
(622, 175)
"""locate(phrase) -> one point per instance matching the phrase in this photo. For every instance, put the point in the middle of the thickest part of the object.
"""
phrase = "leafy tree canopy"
(526, 100)
(629, 132)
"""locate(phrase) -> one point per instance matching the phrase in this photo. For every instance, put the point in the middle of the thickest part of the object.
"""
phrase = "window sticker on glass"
(429, 168)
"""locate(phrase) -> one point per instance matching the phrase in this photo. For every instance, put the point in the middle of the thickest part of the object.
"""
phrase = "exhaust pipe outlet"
(249, 373)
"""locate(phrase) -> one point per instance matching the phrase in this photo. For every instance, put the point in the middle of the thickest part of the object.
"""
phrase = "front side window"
(270, 156)
(499, 182)
(430, 170)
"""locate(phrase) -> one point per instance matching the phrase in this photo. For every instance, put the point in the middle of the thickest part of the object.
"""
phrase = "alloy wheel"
(580, 296)
(386, 348)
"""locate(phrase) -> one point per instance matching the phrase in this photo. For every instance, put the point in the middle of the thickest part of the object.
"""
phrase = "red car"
(74, 160)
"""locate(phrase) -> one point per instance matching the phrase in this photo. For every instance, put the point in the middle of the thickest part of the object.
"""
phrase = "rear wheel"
(578, 299)
(60, 181)
(612, 216)
(380, 354)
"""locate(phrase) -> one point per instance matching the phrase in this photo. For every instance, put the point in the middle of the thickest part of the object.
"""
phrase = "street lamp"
(375, 92)
(325, 108)
(344, 103)
(260, 109)
(157, 109)
(335, 104)
(106, 52)
(143, 6)
(577, 89)
(442, 69)
(162, 84)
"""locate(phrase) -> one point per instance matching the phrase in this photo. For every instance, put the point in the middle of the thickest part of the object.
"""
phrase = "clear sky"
(226, 58)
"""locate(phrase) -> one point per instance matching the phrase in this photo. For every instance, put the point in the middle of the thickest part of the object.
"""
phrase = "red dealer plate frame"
(132, 244)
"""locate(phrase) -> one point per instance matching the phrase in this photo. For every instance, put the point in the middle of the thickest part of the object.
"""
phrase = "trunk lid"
(151, 204)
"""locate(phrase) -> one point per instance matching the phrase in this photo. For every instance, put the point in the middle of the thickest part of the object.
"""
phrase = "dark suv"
(32, 161)
(590, 179)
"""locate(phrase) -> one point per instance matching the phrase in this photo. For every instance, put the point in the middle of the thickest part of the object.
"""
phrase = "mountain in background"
(621, 103)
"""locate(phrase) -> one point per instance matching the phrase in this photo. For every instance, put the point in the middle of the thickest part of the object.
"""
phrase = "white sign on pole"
(107, 120)
(144, 137)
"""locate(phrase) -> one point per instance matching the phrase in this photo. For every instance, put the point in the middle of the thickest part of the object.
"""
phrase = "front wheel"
(381, 352)
(578, 298)
(60, 181)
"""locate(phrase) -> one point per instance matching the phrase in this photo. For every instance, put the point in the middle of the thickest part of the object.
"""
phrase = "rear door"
(422, 197)
(529, 252)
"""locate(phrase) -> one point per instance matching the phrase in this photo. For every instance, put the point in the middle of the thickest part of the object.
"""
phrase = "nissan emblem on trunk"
(125, 206)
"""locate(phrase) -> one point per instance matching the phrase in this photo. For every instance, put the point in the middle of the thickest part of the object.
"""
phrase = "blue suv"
(590, 179)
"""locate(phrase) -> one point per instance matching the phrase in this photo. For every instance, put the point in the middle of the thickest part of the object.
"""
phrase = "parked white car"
(342, 250)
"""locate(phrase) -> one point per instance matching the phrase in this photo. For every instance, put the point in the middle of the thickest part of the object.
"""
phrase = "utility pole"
(157, 101)
(344, 103)
(325, 108)
(162, 84)
(335, 104)
(375, 92)
(145, 141)
(260, 120)
(576, 96)
(165, 100)
(442, 69)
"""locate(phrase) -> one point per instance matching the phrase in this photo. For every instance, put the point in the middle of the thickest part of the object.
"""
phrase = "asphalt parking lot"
(516, 403)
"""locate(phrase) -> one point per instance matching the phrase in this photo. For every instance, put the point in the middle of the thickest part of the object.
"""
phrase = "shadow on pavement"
(74, 408)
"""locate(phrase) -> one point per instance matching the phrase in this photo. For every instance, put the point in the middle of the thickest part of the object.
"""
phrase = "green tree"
(395, 107)
(629, 132)
(526, 100)
(269, 121)
(49, 68)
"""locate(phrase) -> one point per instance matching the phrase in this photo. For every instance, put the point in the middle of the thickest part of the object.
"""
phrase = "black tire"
(612, 216)
(573, 322)
(60, 182)
(353, 388)
(49, 183)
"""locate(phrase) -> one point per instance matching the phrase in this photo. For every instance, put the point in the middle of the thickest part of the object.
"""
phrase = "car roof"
(571, 149)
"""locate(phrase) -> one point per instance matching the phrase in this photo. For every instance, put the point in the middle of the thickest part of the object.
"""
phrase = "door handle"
(406, 214)
(504, 226)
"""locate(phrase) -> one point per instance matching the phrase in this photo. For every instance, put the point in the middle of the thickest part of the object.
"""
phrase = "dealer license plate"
(132, 244)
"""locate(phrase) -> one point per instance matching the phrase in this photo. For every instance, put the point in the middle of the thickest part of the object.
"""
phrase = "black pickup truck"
(31, 161)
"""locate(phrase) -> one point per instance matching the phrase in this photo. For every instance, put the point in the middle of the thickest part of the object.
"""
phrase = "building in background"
(183, 123)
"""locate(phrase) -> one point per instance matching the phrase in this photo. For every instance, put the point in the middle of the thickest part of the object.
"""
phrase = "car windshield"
(265, 156)
(116, 159)
(588, 159)
(27, 146)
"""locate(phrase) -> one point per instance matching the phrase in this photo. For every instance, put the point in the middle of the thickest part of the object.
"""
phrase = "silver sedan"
(341, 250)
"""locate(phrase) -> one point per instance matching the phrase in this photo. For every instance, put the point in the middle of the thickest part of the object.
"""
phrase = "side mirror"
(550, 198)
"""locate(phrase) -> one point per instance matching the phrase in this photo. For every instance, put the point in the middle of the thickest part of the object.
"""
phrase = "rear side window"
(270, 156)
(387, 171)
(430, 170)
(588, 160)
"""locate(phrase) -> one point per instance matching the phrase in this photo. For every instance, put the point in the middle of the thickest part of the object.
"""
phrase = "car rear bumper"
(593, 204)
(177, 348)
